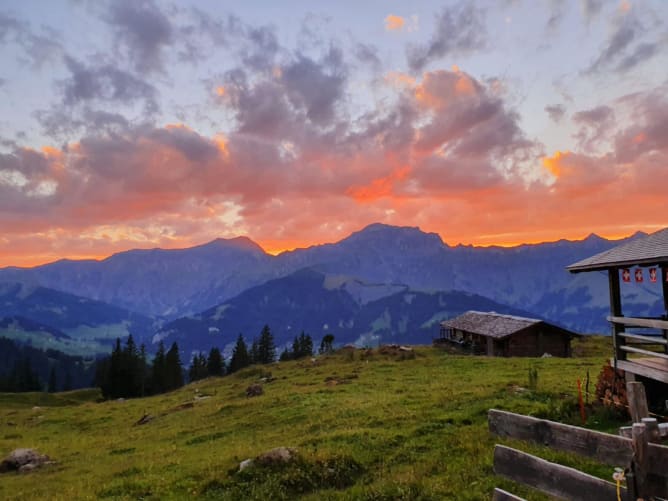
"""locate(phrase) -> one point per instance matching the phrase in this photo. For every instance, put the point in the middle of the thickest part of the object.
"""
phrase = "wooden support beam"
(551, 478)
(635, 394)
(664, 286)
(640, 459)
(501, 495)
(616, 311)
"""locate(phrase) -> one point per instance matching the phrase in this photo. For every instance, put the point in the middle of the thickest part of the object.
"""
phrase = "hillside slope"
(365, 428)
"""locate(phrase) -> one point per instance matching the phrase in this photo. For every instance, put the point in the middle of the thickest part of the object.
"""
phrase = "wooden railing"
(644, 462)
(626, 341)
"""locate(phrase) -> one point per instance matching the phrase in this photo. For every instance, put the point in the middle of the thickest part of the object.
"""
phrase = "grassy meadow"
(386, 426)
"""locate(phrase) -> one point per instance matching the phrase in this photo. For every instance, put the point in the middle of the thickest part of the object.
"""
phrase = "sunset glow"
(157, 124)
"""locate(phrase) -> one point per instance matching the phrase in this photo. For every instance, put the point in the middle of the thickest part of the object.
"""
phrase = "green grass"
(373, 429)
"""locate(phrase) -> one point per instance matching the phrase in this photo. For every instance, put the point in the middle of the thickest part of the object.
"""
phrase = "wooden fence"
(644, 461)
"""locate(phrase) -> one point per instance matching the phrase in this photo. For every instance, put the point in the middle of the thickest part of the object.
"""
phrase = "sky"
(141, 124)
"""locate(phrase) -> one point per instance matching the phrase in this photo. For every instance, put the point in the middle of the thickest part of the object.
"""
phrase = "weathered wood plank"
(635, 394)
(550, 478)
(644, 367)
(631, 349)
(640, 457)
(608, 449)
(643, 339)
(501, 495)
(654, 323)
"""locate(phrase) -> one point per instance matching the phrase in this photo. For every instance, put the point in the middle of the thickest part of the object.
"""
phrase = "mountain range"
(382, 283)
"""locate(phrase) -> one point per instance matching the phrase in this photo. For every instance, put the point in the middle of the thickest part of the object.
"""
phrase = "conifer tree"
(254, 354)
(143, 372)
(198, 368)
(304, 346)
(327, 344)
(158, 370)
(240, 357)
(52, 381)
(214, 364)
(285, 355)
(173, 368)
(266, 347)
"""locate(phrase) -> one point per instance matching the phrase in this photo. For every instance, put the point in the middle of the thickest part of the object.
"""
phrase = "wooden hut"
(640, 344)
(494, 334)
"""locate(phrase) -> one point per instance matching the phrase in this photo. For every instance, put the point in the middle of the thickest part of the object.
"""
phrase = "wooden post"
(635, 394)
(616, 311)
(652, 426)
(640, 458)
(664, 286)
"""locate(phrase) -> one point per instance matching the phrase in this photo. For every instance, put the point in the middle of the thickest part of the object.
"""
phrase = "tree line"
(128, 373)
(25, 368)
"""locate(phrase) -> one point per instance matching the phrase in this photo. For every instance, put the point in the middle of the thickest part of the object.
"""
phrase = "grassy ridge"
(380, 428)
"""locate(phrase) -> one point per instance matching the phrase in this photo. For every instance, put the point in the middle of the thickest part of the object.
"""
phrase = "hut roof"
(490, 324)
(647, 250)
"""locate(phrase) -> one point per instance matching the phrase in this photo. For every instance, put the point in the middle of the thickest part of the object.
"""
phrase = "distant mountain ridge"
(47, 318)
(373, 263)
(311, 301)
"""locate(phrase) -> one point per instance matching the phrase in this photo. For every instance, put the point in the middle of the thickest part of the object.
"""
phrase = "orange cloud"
(394, 23)
(553, 163)
(381, 187)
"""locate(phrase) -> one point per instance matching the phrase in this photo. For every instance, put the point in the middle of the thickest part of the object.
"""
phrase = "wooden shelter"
(494, 334)
(640, 344)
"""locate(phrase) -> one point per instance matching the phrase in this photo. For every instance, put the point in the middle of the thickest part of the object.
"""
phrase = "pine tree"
(173, 368)
(254, 355)
(198, 368)
(130, 370)
(285, 355)
(304, 346)
(240, 357)
(158, 384)
(116, 371)
(214, 364)
(143, 372)
(52, 381)
(266, 346)
(67, 385)
(327, 344)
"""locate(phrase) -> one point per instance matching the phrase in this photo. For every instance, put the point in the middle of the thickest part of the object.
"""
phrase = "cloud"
(105, 83)
(37, 47)
(595, 124)
(556, 112)
(142, 31)
(95, 96)
(367, 54)
(460, 29)
(394, 23)
(557, 12)
(625, 48)
(591, 8)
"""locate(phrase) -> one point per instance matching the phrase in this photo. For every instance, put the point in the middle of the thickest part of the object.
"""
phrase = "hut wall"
(535, 341)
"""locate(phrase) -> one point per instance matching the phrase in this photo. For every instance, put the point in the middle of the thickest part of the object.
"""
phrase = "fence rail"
(643, 459)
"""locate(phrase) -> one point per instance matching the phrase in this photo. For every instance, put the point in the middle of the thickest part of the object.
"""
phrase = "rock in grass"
(277, 456)
(254, 390)
(246, 463)
(23, 461)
